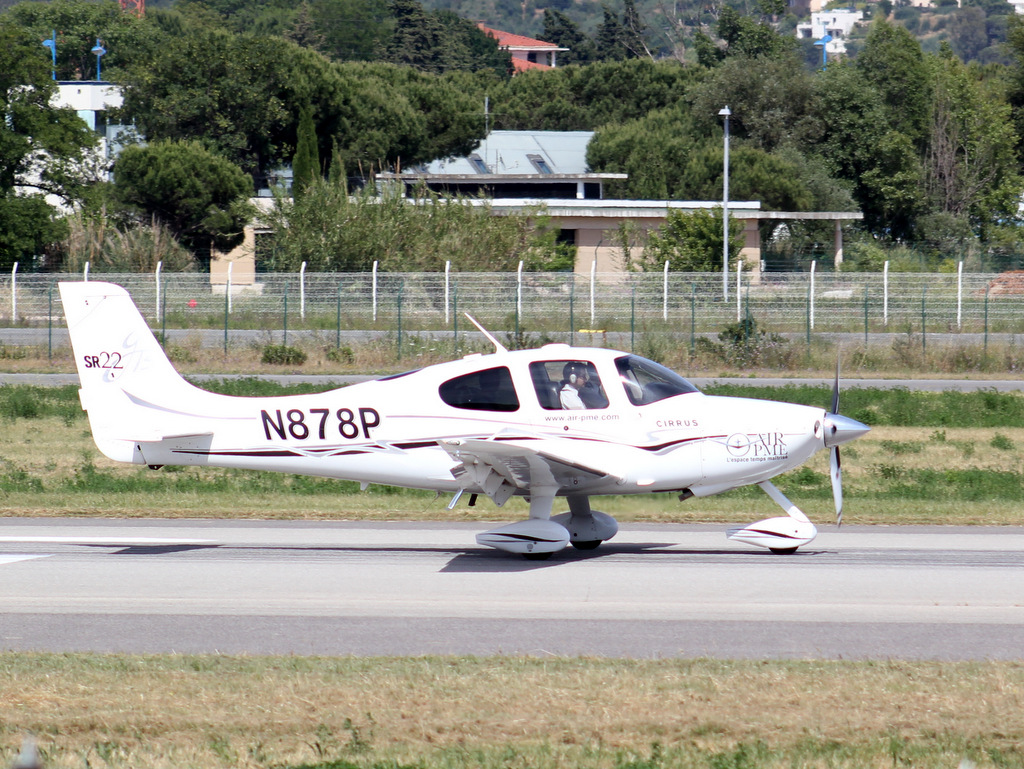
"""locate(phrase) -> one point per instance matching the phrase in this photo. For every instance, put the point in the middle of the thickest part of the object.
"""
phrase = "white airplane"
(557, 421)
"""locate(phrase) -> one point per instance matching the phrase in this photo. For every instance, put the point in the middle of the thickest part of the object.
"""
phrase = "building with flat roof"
(517, 171)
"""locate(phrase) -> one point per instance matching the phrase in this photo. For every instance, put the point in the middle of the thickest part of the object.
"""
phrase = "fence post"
(572, 302)
(337, 339)
(865, 318)
(924, 330)
(227, 309)
(959, 293)
(49, 328)
(519, 295)
(156, 275)
(374, 291)
(447, 279)
(885, 294)
(986, 319)
(302, 291)
(455, 316)
(85, 273)
(810, 296)
(664, 294)
(693, 319)
(401, 287)
(14, 294)
(739, 283)
(632, 321)
(285, 339)
(807, 316)
(593, 285)
(163, 321)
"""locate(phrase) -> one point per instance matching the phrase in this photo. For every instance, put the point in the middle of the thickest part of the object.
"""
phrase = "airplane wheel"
(536, 556)
(783, 550)
(588, 544)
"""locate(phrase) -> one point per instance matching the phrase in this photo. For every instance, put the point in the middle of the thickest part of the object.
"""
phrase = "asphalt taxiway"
(366, 588)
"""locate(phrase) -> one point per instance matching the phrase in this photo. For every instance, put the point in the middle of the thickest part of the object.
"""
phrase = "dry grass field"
(212, 712)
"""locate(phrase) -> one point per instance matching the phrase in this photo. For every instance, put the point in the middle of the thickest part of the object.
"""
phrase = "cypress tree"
(306, 162)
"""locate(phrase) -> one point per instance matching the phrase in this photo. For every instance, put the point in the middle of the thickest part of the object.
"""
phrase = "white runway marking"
(6, 558)
(109, 540)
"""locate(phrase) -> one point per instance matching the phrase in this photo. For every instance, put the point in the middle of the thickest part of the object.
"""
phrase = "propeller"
(835, 464)
(839, 429)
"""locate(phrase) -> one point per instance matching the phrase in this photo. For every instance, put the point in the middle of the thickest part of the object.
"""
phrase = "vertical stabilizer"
(117, 354)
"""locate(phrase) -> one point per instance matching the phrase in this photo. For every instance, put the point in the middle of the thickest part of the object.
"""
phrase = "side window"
(567, 384)
(648, 382)
(487, 390)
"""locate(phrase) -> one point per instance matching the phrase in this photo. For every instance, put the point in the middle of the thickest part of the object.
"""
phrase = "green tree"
(968, 33)
(610, 38)
(331, 229)
(232, 92)
(634, 32)
(416, 40)
(892, 187)
(41, 150)
(201, 197)
(563, 32)
(351, 30)
(691, 241)
(856, 144)
(241, 97)
(440, 41)
(127, 38)
(667, 158)
(970, 169)
(752, 38)
(772, 100)
(306, 163)
(585, 97)
(891, 62)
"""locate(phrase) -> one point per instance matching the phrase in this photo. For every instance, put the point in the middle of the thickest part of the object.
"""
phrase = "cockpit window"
(567, 384)
(487, 390)
(648, 382)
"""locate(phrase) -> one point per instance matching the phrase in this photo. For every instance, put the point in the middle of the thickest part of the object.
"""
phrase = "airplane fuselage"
(388, 431)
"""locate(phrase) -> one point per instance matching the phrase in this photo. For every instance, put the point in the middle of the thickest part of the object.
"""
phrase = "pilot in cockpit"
(574, 379)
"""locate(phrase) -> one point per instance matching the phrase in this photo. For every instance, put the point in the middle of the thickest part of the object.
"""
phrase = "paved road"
(426, 588)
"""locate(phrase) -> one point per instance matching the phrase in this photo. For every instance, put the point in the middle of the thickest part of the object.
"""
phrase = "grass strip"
(427, 712)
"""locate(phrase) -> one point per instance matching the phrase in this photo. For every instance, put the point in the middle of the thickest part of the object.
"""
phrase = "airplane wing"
(501, 467)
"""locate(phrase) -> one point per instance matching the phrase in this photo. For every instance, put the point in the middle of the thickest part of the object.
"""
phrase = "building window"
(487, 390)
(478, 164)
(539, 163)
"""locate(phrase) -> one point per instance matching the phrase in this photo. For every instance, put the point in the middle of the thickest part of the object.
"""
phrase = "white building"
(836, 24)
(93, 100)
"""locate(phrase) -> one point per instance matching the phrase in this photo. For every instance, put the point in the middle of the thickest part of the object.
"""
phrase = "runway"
(365, 588)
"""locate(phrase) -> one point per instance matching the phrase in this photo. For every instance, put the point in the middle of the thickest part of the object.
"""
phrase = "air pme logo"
(756, 445)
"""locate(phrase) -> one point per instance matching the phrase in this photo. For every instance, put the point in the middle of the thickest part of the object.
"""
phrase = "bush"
(341, 355)
(283, 355)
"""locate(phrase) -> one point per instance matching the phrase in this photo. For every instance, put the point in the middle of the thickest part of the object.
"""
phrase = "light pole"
(724, 112)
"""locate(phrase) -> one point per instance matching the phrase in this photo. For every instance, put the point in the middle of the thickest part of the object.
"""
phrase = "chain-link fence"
(556, 304)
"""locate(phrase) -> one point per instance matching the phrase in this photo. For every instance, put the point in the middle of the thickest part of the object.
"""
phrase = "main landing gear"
(543, 534)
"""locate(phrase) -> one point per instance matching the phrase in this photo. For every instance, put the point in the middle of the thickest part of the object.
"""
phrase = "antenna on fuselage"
(498, 346)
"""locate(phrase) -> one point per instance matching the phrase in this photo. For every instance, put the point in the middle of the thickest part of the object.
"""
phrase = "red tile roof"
(508, 40)
(521, 65)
